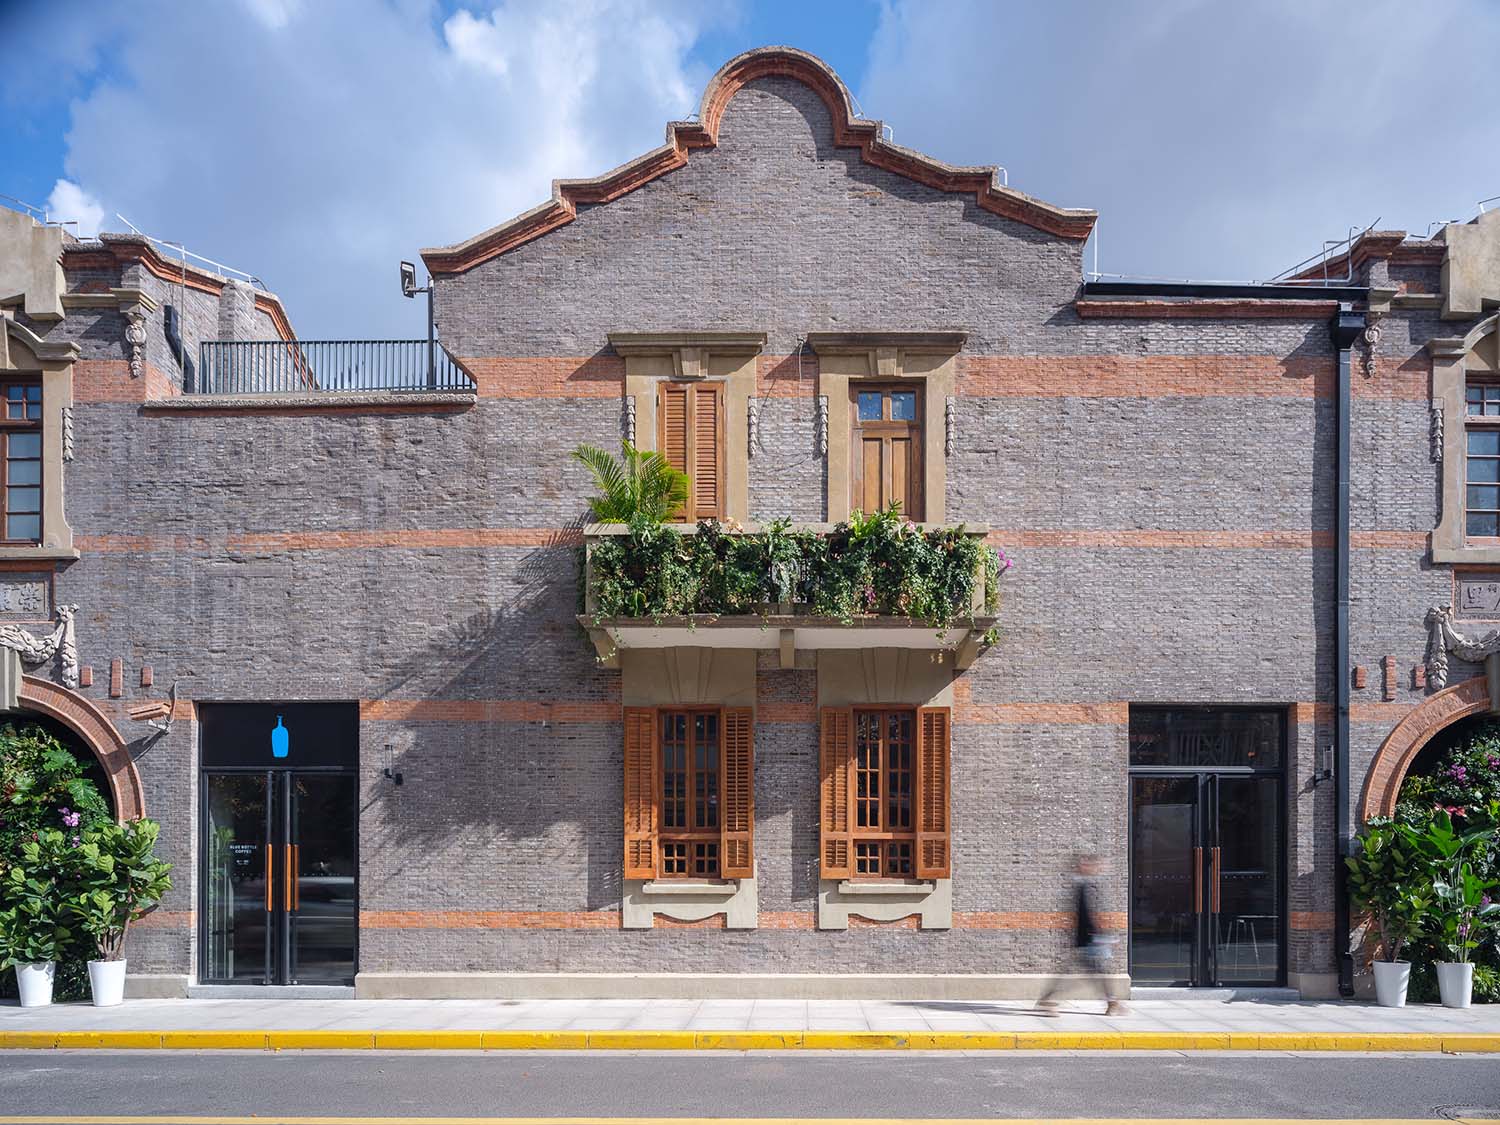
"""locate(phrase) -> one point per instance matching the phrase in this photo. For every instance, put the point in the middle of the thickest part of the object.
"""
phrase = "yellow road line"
(526, 1040)
(266, 1118)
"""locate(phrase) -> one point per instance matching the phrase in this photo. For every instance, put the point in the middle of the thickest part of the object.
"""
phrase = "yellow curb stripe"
(428, 1120)
(664, 1040)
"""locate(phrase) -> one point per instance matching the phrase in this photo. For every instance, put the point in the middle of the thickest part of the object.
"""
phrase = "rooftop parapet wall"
(31, 274)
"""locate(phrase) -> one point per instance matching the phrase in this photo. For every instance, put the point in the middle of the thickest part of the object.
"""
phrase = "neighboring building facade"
(367, 600)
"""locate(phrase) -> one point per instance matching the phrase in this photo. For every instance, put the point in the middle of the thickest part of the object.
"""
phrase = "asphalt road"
(64, 1086)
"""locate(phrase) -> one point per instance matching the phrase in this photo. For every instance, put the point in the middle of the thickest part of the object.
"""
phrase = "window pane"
(23, 499)
(904, 406)
(1484, 443)
(1206, 737)
(1483, 497)
(30, 445)
(1472, 398)
(869, 406)
(30, 472)
(23, 527)
(1483, 524)
(1482, 469)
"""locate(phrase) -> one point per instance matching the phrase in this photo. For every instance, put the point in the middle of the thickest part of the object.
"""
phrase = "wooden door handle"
(1198, 880)
(270, 869)
(1213, 859)
(288, 879)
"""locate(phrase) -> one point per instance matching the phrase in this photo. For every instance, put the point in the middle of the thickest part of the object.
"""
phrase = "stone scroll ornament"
(135, 336)
(59, 643)
(1443, 638)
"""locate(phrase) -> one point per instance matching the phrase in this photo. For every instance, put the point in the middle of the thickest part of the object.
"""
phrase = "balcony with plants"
(876, 580)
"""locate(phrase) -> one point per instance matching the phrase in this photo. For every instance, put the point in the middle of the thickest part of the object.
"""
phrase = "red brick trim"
(849, 132)
(119, 249)
(97, 733)
(1414, 731)
(1091, 308)
(489, 711)
(766, 920)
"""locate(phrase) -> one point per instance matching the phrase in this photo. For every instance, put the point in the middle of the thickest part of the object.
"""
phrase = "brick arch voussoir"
(98, 734)
(1410, 735)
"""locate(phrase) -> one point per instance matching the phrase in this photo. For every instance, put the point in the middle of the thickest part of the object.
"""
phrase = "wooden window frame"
(872, 811)
(1479, 423)
(887, 428)
(693, 511)
(928, 802)
(689, 835)
(8, 427)
(647, 837)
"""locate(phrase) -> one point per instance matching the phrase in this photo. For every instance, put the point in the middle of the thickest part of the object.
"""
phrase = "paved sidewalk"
(1180, 1023)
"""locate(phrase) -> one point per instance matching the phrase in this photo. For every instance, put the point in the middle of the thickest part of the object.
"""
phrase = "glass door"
(239, 864)
(1166, 889)
(320, 897)
(1205, 879)
(280, 883)
(1245, 878)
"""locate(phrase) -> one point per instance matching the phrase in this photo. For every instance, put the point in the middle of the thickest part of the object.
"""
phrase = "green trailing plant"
(113, 879)
(34, 923)
(42, 785)
(877, 564)
(638, 485)
(1390, 880)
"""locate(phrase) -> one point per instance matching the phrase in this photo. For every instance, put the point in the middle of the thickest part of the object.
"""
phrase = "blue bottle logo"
(281, 740)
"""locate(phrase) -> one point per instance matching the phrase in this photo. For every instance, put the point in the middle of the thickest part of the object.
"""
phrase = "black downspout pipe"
(1347, 326)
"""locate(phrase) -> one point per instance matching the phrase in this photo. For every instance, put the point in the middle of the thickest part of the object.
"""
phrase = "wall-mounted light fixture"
(389, 773)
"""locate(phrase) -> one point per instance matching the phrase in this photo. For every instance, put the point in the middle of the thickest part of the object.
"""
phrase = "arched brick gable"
(1411, 734)
(98, 734)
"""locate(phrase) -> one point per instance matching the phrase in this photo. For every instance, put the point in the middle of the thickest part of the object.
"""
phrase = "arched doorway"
(1402, 746)
(96, 732)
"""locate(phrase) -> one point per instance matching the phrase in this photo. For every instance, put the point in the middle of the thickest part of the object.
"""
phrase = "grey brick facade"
(1170, 514)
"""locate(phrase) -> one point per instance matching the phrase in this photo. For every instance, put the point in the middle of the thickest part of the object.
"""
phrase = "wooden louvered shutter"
(690, 435)
(640, 793)
(934, 773)
(835, 812)
(707, 452)
(737, 807)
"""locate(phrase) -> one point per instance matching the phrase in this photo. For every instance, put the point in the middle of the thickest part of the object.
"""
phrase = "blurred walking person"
(1091, 951)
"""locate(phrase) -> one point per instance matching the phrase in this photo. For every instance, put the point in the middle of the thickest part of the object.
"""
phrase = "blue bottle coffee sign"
(235, 735)
(281, 740)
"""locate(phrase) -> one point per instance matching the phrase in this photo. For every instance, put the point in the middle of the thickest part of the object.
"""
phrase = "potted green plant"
(1389, 881)
(115, 879)
(1462, 905)
(33, 922)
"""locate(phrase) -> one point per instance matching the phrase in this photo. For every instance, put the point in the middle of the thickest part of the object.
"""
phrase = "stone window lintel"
(1452, 357)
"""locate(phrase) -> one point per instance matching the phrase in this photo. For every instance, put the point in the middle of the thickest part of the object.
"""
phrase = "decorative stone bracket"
(1443, 638)
(30, 649)
(736, 899)
(931, 901)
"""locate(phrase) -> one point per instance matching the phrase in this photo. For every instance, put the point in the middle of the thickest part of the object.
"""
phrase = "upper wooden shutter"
(934, 773)
(835, 814)
(690, 420)
(640, 793)
(737, 806)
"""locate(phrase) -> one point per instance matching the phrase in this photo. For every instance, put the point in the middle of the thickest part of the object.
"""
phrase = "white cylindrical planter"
(107, 982)
(1391, 981)
(1456, 983)
(35, 983)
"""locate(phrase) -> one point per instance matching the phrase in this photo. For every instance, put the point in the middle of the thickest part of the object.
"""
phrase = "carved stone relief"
(35, 650)
(24, 595)
(135, 338)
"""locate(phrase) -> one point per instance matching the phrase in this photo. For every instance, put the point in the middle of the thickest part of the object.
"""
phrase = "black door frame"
(278, 808)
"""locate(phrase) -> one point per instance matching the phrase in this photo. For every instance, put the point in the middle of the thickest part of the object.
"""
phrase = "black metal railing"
(255, 367)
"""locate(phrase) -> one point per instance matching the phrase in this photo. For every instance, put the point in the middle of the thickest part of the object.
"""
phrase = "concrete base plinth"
(722, 986)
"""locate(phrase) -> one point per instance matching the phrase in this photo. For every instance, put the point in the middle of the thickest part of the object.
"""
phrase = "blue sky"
(316, 142)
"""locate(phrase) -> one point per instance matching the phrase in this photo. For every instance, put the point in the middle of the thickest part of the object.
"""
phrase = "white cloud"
(315, 145)
(1216, 140)
(68, 202)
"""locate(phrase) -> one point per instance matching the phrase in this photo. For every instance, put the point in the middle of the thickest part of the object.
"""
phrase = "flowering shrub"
(42, 785)
(1466, 777)
(878, 564)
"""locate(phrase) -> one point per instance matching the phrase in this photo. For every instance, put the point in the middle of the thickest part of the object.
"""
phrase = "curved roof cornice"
(849, 131)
